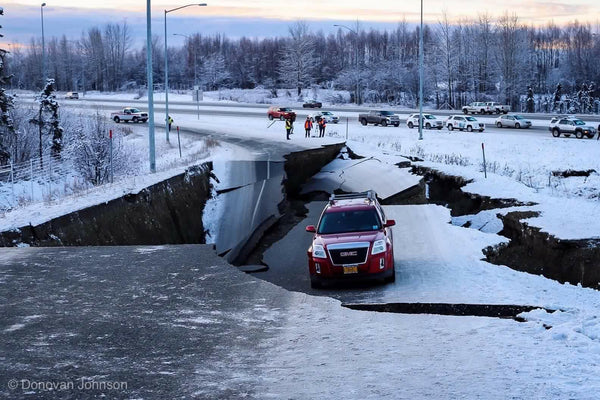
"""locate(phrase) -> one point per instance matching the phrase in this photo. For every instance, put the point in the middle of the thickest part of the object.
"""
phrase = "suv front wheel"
(579, 134)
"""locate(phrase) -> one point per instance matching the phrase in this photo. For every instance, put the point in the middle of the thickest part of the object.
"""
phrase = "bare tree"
(446, 48)
(510, 56)
(298, 61)
(117, 41)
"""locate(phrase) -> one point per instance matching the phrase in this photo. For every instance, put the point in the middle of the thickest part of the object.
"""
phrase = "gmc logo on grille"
(348, 253)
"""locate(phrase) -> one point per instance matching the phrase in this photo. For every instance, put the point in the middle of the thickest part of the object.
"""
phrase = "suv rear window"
(349, 221)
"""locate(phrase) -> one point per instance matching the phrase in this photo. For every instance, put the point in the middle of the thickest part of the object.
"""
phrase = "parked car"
(129, 114)
(312, 104)
(352, 240)
(512, 121)
(383, 118)
(429, 121)
(463, 122)
(72, 95)
(282, 113)
(570, 125)
(328, 116)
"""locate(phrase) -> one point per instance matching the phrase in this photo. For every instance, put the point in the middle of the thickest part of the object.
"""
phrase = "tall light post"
(421, 76)
(356, 65)
(190, 39)
(150, 83)
(43, 48)
(167, 66)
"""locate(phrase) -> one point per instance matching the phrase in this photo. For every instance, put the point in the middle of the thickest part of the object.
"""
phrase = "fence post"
(31, 173)
(178, 141)
(346, 128)
(111, 155)
(484, 166)
(50, 178)
(12, 182)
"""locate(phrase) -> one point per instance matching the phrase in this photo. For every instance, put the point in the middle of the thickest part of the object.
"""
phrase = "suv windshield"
(387, 113)
(349, 221)
(429, 116)
(471, 119)
(578, 122)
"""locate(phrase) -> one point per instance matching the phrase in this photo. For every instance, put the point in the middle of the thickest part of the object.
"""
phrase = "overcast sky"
(261, 18)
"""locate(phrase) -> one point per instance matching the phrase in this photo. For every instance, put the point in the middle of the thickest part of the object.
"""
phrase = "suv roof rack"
(369, 194)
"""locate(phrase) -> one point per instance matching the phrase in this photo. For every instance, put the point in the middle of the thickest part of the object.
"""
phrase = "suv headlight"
(319, 251)
(378, 247)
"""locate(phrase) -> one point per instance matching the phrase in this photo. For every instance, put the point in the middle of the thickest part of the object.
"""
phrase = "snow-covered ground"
(323, 351)
(519, 162)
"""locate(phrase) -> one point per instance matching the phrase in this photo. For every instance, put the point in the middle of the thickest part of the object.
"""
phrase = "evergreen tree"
(557, 97)
(48, 121)
(7, 128)
(530, 100)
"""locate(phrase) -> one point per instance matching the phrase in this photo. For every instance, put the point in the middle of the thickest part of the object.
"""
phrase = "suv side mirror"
(311, 229)
(390, 223)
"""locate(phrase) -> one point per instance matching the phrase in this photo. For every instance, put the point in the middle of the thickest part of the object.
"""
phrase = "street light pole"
(421, 76)
(167, 66)
(43, 48)
(356, 64)
(150, 84)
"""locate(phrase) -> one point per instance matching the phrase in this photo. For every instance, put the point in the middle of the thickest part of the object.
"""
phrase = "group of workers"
(318, 123)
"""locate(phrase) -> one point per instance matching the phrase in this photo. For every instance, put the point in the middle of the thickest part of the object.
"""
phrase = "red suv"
(282, 113)
(353, 239)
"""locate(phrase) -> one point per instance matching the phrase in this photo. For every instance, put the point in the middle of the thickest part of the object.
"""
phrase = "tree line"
(483, 58)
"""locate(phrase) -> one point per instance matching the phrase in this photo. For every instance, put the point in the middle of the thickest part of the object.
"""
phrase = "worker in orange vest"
(322, 125)
(308, 124)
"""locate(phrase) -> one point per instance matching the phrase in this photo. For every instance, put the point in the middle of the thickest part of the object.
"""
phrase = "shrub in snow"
(90, 150)
(23, 142)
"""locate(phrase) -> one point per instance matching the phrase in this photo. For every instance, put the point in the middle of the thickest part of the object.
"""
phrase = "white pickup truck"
(497, 108)
(486, 107)
(479, 107)
(129, 114)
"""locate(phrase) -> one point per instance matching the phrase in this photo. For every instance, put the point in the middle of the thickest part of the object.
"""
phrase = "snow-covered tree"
(214, 72)
(298, 61)
(585, 97)
(7, 128)
(530, 102)
(47, 120)
(90, 149)
(557, 98)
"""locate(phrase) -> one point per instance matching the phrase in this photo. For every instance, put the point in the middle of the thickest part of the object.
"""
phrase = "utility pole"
(150, 83)
(43, 48)
(167, 66)
(421, 76)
